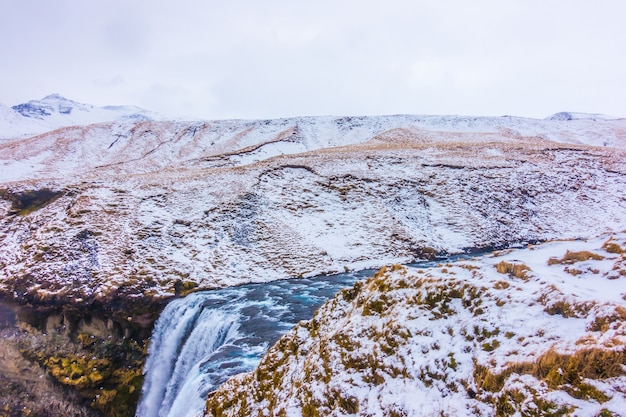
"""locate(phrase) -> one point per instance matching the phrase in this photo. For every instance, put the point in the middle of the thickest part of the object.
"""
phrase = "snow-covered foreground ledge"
(533, 332)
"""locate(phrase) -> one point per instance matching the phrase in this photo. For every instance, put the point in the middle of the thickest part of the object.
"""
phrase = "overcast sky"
(272, 58)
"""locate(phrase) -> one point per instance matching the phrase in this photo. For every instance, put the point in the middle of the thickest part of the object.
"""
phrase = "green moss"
(489, 347)
(584, 391)
(183, 288)
(545, 408)
(105, 373)
(452, 361)
(114, 390)
(515, 402)
(77, 371)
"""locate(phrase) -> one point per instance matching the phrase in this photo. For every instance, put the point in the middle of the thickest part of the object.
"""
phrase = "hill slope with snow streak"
(111, 219)
(536, 332)
(137, 147)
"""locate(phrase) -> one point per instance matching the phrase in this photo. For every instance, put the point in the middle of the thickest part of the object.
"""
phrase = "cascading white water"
(185, 333)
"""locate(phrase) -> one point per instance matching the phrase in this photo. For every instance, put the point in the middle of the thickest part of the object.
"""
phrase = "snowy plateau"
(114, 209)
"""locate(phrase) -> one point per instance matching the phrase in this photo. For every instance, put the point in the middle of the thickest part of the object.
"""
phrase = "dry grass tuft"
(572, 257)
(501, 285)
(561, 371)
(604, 323)
(568, 310)
(573, 271)
(513, 269)
(612, 247)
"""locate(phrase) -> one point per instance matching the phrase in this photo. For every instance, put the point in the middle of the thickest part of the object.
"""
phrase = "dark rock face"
(7, 317)
(25, 202)
(84, 359)
(33, 110)
(39, 109)
(115, 318)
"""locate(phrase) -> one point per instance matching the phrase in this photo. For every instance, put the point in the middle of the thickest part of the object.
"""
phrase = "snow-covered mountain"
(566, 115)
(133, 147)
(55, 111)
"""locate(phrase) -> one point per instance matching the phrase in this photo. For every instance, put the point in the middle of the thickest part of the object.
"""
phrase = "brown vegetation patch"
(572, 257)
(612, 247)
(501, 285)
(517, 270)
(568, 310)
(605, 322)
(566, 372)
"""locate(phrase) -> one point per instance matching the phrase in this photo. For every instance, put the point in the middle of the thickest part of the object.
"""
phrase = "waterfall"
(201, 340)
(186, 333)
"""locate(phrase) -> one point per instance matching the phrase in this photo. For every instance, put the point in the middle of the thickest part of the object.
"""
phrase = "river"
(201, 340)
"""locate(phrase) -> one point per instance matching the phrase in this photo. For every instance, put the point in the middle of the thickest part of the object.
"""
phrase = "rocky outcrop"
(27, 201)
(539, 331)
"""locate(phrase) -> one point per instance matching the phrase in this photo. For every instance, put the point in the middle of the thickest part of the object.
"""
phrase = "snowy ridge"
(55, 111)
(539, 331)
(139, 147)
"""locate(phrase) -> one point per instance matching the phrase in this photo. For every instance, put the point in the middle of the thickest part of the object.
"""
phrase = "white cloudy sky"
(274, 58)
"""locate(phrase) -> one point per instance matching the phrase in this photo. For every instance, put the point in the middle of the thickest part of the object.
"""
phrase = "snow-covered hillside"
(55, 111)
(147, 207)
(532, 332)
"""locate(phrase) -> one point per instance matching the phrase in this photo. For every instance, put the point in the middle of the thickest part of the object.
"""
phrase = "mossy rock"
(113, 390)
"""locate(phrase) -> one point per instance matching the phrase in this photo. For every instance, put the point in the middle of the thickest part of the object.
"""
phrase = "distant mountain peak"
(568, 115)
(55, 111)
(55, 96)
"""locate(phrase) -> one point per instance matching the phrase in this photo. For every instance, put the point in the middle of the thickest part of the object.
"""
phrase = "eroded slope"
(351, 207)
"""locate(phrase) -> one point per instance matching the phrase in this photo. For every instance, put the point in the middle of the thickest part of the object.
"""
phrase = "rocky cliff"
(150, 210)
